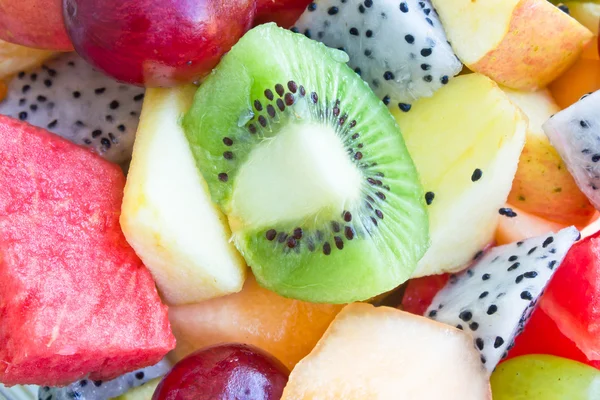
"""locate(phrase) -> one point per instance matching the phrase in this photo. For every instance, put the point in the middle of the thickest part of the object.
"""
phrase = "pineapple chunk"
(168, 216)
(465, 141)
(15, 58)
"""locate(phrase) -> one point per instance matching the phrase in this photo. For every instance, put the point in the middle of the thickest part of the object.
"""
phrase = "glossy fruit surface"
(34, 23)
(542, 336)
(225, 372)
(420, 292)
(155, 42)
(573, 297)
(541, 377)
(283, 12)
(286, 328)
(520, 225)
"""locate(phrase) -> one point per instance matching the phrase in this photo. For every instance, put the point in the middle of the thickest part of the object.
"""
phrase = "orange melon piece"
(583, 77)
(523, 226)
(286, 328)
(385, 353)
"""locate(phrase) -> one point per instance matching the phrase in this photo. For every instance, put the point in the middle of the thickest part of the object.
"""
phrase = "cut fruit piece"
(574, 133)
(34, 23)
(286, 328)
(592, 227)
(494, 299)
(70, 98)
(98, 390)
(543, 186)
(168, 216)
(519, 225)
(541, 377)
(573, 297)
(587, 13)
(227, 371)
(466, 165)
(75, 300)
(581, 79)
(283, 12)
(419, 292)
(512, 45)
(542, 336)
(144, 392)
(400, 51)
(384, 353)
(15, 58)
(310, 168)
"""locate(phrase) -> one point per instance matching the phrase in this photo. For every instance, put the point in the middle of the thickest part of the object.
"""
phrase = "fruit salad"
(296, 200)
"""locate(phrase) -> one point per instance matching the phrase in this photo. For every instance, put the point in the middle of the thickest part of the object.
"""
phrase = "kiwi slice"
(310, 168)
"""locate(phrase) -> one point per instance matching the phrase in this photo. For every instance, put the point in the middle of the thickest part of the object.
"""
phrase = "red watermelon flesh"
(573, 297)
(419, 292)
(75, 300)
(542, 336)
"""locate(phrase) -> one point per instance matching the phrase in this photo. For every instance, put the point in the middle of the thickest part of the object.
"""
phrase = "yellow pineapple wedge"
(543, 186)
(387, 354)
(168, 216)
(465, 142)
(15, 58)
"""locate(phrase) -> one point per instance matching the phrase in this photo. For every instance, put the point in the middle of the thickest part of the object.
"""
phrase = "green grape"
(542, 377)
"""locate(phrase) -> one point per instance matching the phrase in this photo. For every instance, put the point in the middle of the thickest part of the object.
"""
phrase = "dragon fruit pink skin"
(70, 98)
(493, 299)
(575, 133)
(398, 47)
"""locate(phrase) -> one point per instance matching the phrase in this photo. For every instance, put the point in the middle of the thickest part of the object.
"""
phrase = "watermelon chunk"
(419, 292)
(572, 299)
(75, 300)
(542, 336)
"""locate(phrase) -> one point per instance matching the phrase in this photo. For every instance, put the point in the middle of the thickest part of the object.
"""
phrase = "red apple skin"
(284, 12)
(156, 43)
(226, 371)
(34, 23)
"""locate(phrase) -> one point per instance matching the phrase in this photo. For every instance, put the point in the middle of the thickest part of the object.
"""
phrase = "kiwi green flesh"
(345, 219)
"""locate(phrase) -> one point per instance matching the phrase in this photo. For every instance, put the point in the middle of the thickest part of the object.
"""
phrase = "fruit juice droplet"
(245, 117)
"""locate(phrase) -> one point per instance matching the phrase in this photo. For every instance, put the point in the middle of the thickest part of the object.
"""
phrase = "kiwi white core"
(302, 172)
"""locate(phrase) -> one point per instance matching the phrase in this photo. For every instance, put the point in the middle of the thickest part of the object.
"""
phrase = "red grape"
(284, 12)
(156, 42)
(225, 372)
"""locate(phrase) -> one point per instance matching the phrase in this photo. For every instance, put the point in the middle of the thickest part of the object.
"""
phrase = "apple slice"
(543, 185)
(522, 44)
(168, 216)
(521, 225)
(384, 353)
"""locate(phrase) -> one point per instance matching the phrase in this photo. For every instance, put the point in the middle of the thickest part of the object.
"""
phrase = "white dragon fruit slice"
(86, 389)
(494, 298)
(575, 133)
(398, 47)
(70, 98)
